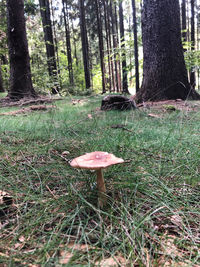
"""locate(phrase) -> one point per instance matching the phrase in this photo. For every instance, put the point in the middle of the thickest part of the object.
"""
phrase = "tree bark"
(114, 37)
(68, 43)
(20, 71)
(192, 71)
(107, 44)
(123, 48)
(84, 40)
(118, 54)
(56, 45)
(101, 46)
(113, 85)
(137, 78)
(1, 82)
(164, 71)
(48, 37)
(183, 17)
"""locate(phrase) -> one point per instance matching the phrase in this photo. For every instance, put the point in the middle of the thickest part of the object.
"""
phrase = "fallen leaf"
(177, 220)
(112, 261)
(22, 238)
(66, 256)
(153, 115)
(64, 153)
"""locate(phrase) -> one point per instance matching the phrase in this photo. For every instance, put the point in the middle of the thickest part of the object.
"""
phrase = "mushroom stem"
(101, 188)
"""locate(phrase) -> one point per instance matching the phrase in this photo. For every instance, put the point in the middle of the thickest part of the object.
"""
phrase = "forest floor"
(48, 211)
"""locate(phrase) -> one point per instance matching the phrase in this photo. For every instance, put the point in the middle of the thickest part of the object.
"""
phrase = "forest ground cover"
(48, 211)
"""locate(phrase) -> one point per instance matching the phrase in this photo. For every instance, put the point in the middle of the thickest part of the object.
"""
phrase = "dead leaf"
(154, 115)
(66, 256)
(22, 239)
(112, 261)
(64, 153)
(177, 220)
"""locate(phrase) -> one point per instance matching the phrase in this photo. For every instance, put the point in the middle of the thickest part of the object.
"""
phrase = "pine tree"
(20, 72)
(84, 40)
(164, 71)
(49, 42)
(123, 48)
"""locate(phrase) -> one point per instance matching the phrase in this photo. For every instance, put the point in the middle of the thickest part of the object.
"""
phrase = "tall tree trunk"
(137, 78)
(192, 71)
(1, 82)
(56, 44)
(183, 17)
(74, 44)
(48, 37)
(101, 46)
(113, 87)
(164, 71)
(123, 48)
(118, 55)
(107, 44)
(114, 35)
(20, 71)
(68, 43)
(84, 40)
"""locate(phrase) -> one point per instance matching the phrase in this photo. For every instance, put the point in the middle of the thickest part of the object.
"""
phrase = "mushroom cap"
(95, 160)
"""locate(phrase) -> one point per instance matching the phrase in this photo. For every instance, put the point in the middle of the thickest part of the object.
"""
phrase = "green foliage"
(30, 7)
(192, 60)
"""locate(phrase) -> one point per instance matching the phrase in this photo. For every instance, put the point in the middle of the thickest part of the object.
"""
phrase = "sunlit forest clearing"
(49, 213)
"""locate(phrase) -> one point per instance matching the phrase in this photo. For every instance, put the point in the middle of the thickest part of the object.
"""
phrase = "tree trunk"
(123, 48)
(101, 46)
(118, 55)
(74, 44)
(48, 37)
(107, 44)
(56, 44)
(114, 35)
(1, 82)
(113, 87)
(20, 71)
(192, 71)
(68, 43)
(164, 71)
(183, 17)
(84, 40)
(137, 78)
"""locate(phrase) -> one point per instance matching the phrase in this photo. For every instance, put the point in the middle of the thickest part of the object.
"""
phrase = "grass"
(153, 212)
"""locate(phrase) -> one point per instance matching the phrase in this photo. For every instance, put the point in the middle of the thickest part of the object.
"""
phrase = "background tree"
(20, 72)
(84, 40)
(192, 71)
(183, 20)
(1, 82)
(101, 45)
(137, 78)
(68, 41)
(49, 42)
(123, 50)
(164, 71)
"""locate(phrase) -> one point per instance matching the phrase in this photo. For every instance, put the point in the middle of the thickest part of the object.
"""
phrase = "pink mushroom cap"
(95, 160)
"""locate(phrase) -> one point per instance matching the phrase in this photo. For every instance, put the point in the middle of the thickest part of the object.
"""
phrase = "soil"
(171, 105)
(7, 102)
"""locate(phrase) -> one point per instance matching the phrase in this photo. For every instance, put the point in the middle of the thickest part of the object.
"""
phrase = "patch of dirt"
(171, 105)
(27, 110)
(7, 102)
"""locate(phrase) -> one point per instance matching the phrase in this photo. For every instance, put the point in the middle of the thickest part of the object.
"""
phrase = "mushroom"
(97, 161)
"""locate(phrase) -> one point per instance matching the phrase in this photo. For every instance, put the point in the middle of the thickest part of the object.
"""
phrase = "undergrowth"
(49, 214)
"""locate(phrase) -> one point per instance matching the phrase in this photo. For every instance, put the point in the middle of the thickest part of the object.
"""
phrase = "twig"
(51, 192)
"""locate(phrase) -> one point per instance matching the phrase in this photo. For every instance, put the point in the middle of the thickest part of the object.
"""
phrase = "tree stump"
(117, 102)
